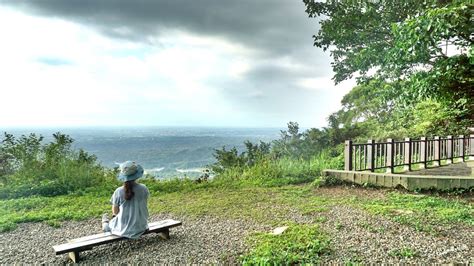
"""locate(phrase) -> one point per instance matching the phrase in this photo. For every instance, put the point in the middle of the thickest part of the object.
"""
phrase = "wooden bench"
(74, 246)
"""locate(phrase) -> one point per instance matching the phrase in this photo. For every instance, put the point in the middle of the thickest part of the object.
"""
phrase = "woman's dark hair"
(128, 185)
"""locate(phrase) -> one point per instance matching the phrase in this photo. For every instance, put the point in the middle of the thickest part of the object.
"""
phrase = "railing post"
(462, 152)
(371, 155)
(390, 155)
(348, 155)
(407, 155)
(423, 152)
(449, 150)
(471, 147)
(437, 151)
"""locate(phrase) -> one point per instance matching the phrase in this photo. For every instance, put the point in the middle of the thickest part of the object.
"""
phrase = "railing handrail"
(392, 153)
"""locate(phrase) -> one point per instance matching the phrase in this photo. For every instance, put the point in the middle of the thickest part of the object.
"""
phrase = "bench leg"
(165, 234)
(74, 255)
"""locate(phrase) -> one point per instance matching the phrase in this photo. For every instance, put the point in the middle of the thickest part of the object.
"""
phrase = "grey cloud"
(274, 26)
(278, 95)
(278, 29)
(274, 70)
(268, 72)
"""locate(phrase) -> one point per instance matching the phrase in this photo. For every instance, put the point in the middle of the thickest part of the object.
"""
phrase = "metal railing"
(392, 153)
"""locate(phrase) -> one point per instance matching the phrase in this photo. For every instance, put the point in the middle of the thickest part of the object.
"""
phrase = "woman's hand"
(115, 210)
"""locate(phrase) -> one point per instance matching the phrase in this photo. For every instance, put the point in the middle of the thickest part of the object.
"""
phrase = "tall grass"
(69, 178)
(283, 171)
(31, 167)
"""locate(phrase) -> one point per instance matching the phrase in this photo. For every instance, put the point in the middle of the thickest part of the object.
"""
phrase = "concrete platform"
(454, 169)
(407, 181)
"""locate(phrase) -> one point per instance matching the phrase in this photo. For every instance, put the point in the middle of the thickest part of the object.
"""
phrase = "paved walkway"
(456, 169)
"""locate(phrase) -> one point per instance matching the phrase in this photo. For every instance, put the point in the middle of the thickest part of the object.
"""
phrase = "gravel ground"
(205, 240)
(356, 236)
(361, 237)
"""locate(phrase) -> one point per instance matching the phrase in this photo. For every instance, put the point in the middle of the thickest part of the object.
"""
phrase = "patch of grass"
(321, 219)
(305, 200)
(310, 210)
(371, 228)
(404, 252)
(299, 244)
(54, 223)
(268, 205)
(354, 261)
(7, 225)
(50, 209)
(261, 204)
(421, 211)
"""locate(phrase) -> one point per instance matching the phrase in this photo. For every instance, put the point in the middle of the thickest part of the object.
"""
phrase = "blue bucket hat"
(129, 171)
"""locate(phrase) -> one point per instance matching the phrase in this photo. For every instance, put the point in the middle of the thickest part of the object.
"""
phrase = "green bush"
(31, 167)
(226, 159)
(172, 185)
(283, 171)
(294, 158)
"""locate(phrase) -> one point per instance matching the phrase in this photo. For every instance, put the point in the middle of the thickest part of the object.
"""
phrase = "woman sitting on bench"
(129, 204)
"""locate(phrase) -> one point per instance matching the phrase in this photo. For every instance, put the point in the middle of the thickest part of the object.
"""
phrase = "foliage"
(283, 171)
(232, 159)
(291, 142)
(302, 145)
(396, 36)
(299, 244)
(295, 157)
(32, 167)
(407, 55)
(178, 184)
(375, 109)
(358, 32)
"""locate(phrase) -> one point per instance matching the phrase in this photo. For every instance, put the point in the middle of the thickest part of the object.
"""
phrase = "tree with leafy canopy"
(406, 56)
(227, 159)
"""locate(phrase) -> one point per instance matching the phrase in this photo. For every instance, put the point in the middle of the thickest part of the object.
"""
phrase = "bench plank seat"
(87, 242)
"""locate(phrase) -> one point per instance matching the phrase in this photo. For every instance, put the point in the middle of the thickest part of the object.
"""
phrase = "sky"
(212, 63)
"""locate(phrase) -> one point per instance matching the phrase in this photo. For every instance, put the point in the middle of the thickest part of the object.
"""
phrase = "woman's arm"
(115, 210)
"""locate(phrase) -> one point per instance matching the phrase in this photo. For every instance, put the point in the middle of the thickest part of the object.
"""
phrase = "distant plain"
(163, 151)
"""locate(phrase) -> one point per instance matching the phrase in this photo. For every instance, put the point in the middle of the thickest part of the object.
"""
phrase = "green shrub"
(290, 154)
(31, 167)
(283, 171)
(172, 185)
(227, 159)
